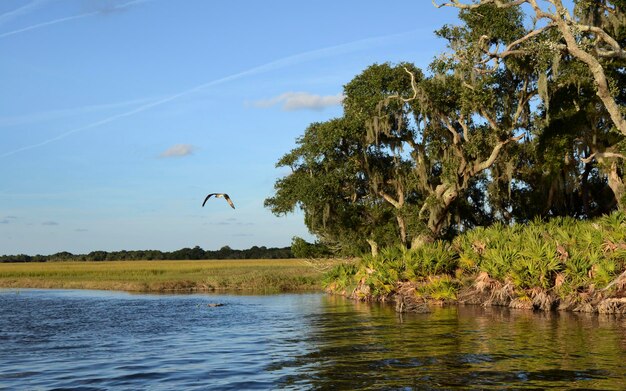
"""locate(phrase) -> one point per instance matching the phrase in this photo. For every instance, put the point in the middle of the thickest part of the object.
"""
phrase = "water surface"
(59, 339)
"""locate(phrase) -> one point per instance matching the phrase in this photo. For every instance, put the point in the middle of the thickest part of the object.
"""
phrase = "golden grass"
(267, 275)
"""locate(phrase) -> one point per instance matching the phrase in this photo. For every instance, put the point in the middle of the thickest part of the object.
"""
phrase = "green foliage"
(303, 249)
(432, 259)
(470, 246)
(563, 255)
(340, 278)
(381, 272)
(442, 288)
(330, 183)
(498, 261)
(537, 264)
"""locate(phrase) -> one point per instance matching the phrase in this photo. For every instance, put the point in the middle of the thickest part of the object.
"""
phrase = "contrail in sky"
(20, 11)
(270, 66)
(65, 19)
(51, 115)
(44, 24)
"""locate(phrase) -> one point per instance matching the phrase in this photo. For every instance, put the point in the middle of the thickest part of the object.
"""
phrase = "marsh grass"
(262, 275)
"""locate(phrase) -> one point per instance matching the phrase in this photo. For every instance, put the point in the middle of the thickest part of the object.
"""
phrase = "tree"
(328, 182)
(408, 148)
(461, 119)
(303, 249)
(590, 37)
(374, 100)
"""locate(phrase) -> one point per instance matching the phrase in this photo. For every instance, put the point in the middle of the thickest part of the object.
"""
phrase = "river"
(96, 340)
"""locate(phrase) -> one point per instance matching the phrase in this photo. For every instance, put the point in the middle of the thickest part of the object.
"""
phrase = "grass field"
(260, 275)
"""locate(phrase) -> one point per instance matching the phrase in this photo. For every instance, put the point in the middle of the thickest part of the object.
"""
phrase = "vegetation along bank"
(563, 264)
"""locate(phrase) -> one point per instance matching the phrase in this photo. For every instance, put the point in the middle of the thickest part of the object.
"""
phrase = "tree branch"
(460, 5)
(509, 49)
(602, 155)
(413, 87)
(455, 135)
(390, 199)
(478, 167)
(492, 122)
(567, 27)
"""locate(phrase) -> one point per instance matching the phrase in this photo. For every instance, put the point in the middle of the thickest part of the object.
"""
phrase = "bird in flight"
(220, 195)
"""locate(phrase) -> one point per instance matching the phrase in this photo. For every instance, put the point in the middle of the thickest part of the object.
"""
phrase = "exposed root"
(543, 300)
(612, 306)
(619, 283)
(523, 303)
(487, 291)
(568, 304)
(585, 307)
(407, 300)
(501, 295)
(485, 283)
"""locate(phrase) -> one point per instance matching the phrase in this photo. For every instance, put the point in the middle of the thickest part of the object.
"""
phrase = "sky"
(117, 118)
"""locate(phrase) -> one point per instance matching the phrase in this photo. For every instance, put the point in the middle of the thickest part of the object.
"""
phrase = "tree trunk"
(373, 247)
(597, 71)
(585, 188)
(402, 226)
(437, 213)
(421, 239)
(617, 185)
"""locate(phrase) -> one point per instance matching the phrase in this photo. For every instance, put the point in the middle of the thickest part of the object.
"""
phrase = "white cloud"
(178, 150)
(301, 100)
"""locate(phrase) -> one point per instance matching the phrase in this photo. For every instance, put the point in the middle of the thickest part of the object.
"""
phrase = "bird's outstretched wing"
(230, 202)
(207, 197)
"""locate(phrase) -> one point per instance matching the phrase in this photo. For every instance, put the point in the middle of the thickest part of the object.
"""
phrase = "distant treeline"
(183, 254)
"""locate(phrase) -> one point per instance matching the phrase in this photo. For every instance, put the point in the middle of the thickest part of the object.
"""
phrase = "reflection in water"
(108, 340)
(366, 346)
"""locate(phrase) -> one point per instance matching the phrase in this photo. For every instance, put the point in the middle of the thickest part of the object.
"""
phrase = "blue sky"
(118, 117)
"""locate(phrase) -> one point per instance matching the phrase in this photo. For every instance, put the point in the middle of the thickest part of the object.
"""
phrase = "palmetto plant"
(496, 262)
(603, 272)
(441, 287)
(470, 247)
(341, 277)
(563, 230)
(433, 259)
(537, 263)
(577, 268)
(382, 281)
(380, 273)
(565, 256)
(615, 223)
(589, 236)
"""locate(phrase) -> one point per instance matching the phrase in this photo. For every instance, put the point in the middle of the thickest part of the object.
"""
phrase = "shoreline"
(487, 292)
